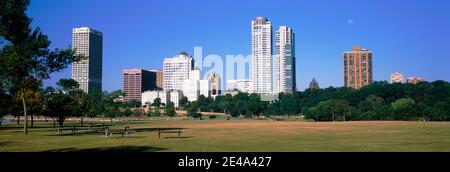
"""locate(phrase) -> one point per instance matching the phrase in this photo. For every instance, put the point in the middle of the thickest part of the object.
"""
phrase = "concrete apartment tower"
(357, 68)
(285, 53)
(88, 72)
(176, 70)
(261, 56)
(397, 77)
(415, 80)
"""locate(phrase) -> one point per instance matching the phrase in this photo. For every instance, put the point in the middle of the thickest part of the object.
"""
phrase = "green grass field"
(239, 136)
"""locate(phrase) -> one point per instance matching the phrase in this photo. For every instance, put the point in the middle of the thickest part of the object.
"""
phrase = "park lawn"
(239, 136)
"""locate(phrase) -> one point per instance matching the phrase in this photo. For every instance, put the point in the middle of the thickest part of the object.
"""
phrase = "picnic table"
(94, 126)
(74, 129)
(123, 132)
(178, 131)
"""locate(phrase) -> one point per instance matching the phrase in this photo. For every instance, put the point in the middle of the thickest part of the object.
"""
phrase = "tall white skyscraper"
(261, 56)
(88, 72)
(176, 70)
(285, 53)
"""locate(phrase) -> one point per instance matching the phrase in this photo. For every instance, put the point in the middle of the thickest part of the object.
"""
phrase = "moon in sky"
(351, 21)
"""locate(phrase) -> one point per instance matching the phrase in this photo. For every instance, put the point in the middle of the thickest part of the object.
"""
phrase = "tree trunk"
(18, 120)
(25, 126)
(61, 121)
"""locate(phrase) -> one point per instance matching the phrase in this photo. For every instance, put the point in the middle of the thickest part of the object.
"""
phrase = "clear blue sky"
(408, 36)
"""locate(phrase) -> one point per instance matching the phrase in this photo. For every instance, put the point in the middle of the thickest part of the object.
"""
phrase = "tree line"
(377, 101)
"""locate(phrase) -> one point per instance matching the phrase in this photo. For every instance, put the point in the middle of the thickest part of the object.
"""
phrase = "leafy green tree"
(254, 104)
(193, 110)
(138, 113)
(331, 109)
(67, 101)
(157, 103)
(233, 109)
(225, 106)
(203, 103)
(156, 113)
(26, 56)
(170, 109)
(5, 102)
(68, 85)
(132, 104)
(34, 100)
(113, 112)
(404, 109)
(127, 112)
(57, 107)
(183, 102)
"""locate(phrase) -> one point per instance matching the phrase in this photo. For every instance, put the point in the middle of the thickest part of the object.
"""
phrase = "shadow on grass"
(4, 143)
(111, 149)
(155, 129)
(175, 137)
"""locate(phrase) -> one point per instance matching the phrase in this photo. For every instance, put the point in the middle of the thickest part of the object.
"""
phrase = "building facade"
(215, 84)
(261, 75)
(195, 86)
(285, 52)
(88, 42)
(243, 85)
(357, 68)
(191, 89)
(314, 84)
(176, 70)
(397, 77)
(159, 79)
(175, 96)
(148, 97)
(204, 87)
(137, 81)
(415, 80)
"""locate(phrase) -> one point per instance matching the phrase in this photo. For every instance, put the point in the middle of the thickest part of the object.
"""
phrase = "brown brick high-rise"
(357, 68)
(137, 81)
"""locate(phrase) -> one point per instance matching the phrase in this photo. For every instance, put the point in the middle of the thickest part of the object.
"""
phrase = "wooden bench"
(178, 131)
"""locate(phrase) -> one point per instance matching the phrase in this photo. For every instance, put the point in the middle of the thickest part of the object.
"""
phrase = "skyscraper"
(88, 72)
(137, 81)
(357, 68)
(285, 53)
(397, 77)
(261, 55)
(176, 70)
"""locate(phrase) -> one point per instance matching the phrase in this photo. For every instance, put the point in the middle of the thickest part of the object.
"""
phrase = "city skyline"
(398, 36)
